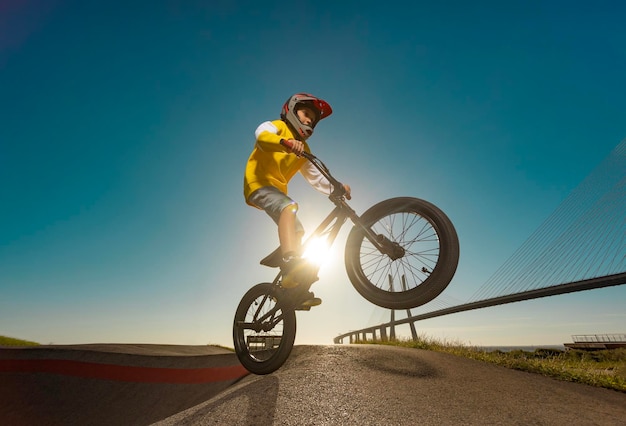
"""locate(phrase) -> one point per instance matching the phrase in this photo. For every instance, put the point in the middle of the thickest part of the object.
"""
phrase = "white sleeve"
(266, 126)
(315, 178)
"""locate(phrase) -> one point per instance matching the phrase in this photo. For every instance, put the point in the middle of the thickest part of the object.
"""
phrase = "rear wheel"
(264, 329)
(419, 257)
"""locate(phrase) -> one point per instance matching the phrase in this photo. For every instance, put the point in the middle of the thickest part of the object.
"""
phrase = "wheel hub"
(391, 248)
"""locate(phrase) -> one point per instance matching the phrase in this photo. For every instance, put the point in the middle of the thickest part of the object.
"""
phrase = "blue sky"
(125, 128)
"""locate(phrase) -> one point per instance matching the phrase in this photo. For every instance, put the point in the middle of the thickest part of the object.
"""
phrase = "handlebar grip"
(286, 143)
(289, 145)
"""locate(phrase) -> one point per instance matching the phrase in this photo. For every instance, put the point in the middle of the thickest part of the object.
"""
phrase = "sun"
(317, 251)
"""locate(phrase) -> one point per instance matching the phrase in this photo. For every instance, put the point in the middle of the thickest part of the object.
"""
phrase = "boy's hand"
(346, 191)
(295, 146)
(347, 194)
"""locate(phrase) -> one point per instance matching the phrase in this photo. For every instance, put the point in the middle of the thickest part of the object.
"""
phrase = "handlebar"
(338, 188)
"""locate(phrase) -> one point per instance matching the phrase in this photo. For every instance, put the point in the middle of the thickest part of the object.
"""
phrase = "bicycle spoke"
(416, 236)
(263, 328)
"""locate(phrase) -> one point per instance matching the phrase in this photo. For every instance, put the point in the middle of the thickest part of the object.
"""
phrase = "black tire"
(426, 260)
(264, 329)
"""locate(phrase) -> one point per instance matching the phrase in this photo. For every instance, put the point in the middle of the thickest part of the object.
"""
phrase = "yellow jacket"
(270, 165)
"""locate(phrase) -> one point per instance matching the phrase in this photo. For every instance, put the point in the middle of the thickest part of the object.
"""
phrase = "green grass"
(10, 341)
(603, 368)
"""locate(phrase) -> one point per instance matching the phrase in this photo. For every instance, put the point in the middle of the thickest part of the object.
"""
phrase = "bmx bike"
(401, 253)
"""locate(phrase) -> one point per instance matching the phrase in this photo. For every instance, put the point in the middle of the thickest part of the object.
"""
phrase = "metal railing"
(599, 338)
(588, 284)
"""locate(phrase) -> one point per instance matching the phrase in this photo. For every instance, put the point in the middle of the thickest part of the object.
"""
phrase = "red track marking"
(123, 373)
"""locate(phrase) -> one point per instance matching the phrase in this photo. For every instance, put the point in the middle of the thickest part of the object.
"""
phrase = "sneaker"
(274, 259)
(310, 301)
(303, 300)
(297, 271)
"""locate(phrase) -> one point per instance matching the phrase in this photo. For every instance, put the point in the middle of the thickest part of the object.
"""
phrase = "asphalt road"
(377, 385)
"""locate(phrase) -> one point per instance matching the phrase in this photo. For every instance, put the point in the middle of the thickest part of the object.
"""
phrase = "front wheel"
(264, 329)
(420, 253)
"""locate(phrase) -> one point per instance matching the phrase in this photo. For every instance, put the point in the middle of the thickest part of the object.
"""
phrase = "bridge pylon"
(392, 327)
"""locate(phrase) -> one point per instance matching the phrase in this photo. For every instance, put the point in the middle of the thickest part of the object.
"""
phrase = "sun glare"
(317, 251)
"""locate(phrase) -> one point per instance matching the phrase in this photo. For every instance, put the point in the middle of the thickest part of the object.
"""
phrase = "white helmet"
(320, 107)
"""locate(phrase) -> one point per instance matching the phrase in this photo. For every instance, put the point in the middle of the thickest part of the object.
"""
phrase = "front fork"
(391, 248)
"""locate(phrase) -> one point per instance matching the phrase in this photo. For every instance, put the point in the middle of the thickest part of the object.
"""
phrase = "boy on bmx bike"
(274, 161)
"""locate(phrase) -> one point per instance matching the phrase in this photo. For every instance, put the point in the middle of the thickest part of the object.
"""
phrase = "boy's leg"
(283, 210)
(290, 239)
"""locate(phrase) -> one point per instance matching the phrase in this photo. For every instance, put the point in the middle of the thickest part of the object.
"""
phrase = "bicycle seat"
(274, 259)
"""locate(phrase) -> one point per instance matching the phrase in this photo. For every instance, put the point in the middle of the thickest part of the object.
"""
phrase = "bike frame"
(332, 224)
